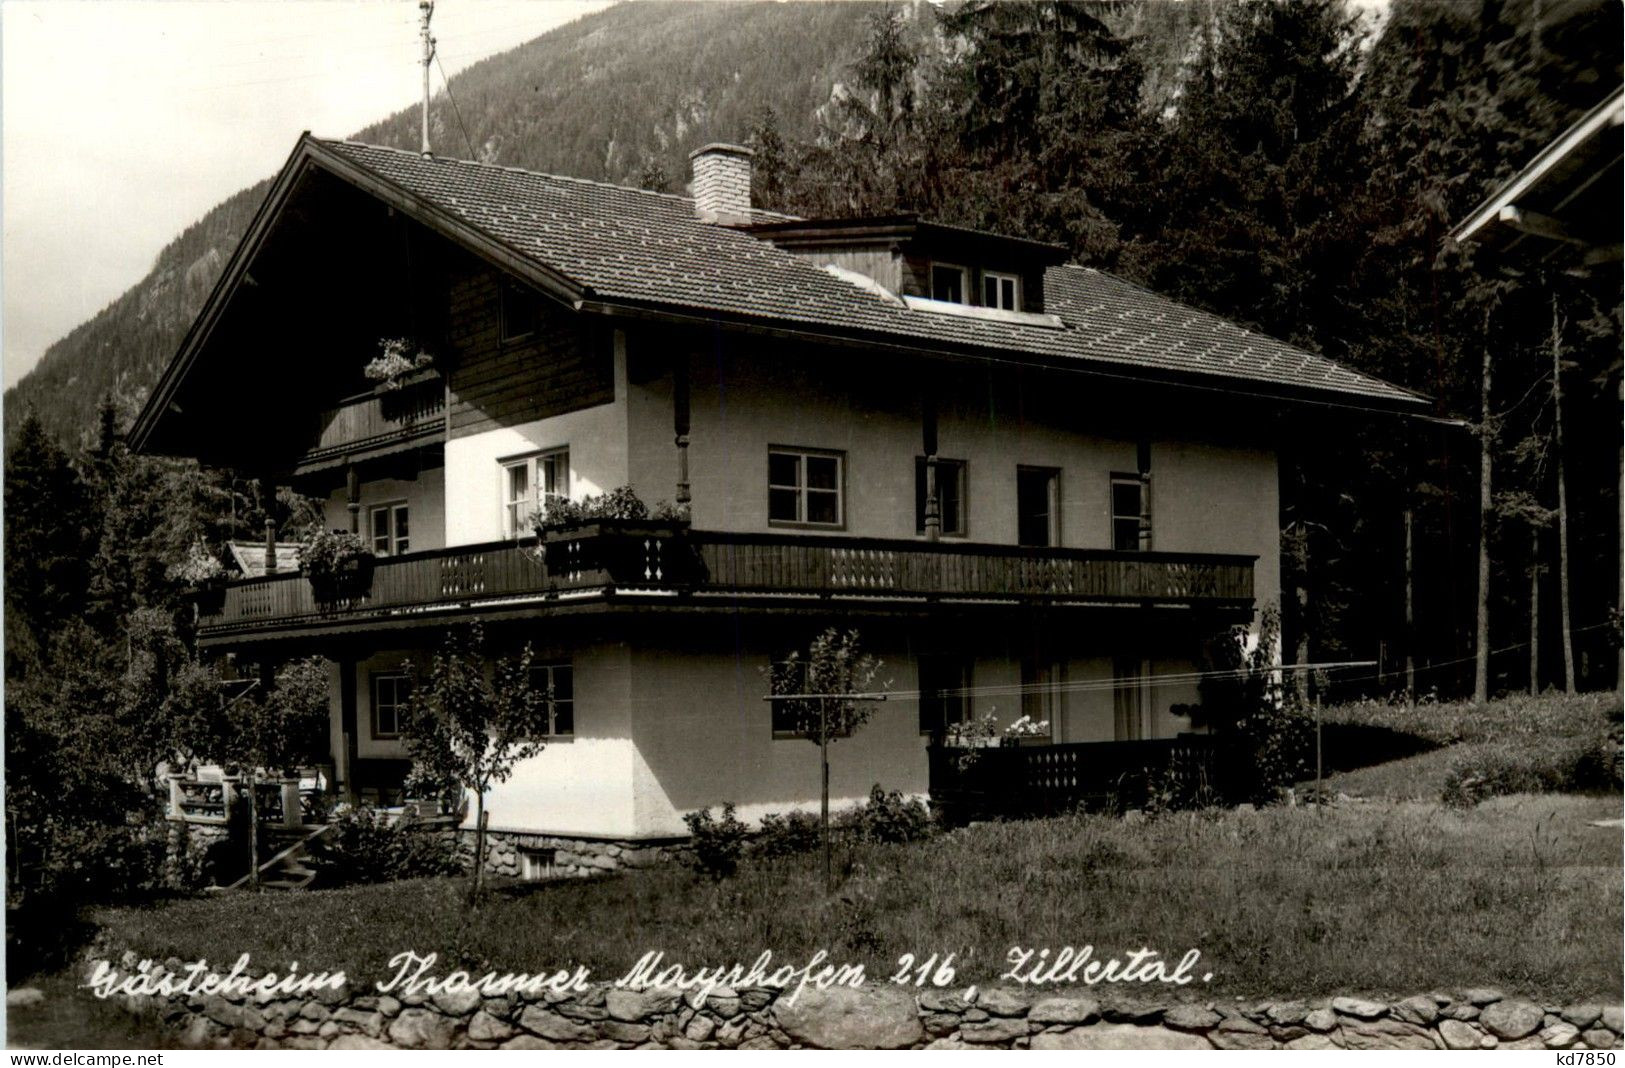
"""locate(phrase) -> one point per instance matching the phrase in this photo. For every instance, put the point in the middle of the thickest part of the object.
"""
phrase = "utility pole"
(426, 8)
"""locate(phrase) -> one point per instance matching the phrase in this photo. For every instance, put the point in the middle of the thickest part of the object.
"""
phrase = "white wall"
(425, 497)
(596, 437)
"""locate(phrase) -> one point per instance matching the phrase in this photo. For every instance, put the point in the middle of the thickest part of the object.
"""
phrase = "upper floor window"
(529, 483)
(950, 495)
(1001, 291)
(389, 696)
(391, 532)
(1038, 506)
(518, 313)
(1130, 532)
(805, 487)
(950, 282)
(557, 681)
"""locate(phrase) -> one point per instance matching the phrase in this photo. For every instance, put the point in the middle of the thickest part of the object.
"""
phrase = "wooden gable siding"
(563, 366)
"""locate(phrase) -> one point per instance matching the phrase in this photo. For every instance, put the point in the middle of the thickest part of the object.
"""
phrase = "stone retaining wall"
(566, 857)
(876, 1016)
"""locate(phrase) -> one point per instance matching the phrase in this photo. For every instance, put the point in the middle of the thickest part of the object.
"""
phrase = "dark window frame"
(935, 706)
(551, 668)
(965, 281)
(401, 696)
(1141, 518)
(1053, 506)
(512, 298)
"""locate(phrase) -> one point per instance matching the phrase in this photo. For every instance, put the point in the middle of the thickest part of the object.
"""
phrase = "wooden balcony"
(650, 562)
(378, 422)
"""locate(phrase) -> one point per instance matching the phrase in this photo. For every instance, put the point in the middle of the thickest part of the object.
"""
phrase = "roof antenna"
(427, 9)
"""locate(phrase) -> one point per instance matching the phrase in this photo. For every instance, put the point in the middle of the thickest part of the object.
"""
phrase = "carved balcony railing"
(655, 559)
(379, 421)
(1047, 780)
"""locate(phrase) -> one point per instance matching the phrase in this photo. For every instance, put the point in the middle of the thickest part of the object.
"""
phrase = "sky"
(124, 121)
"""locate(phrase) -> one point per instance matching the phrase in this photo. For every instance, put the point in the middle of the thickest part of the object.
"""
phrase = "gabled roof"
(630, 245)
(614, 250)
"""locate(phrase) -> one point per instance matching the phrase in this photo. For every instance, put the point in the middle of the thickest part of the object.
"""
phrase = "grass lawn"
(1405, 753)
(1382, 898)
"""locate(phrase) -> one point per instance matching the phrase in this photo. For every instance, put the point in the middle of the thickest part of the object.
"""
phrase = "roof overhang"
(1548, 208)
(311, 153)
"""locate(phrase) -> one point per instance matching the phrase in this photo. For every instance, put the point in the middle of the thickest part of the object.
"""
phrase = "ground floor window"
(1043, 693)
(557, 681)
(1130, 678)
(389, 696)
(945, 683)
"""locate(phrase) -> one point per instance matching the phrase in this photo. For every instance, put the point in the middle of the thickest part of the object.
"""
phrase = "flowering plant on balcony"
(973, 733)
(337, 563)
(1026, 727)
(395, 361)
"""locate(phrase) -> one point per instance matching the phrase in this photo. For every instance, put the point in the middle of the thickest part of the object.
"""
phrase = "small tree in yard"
(469, 726)
(824, 695)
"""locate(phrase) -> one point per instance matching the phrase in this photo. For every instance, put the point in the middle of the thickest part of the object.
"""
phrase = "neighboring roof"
(250, 557)
(1568, 195)
(619, 246)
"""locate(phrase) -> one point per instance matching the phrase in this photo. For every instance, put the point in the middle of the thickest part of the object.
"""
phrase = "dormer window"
(1001, 291)
(950, 283)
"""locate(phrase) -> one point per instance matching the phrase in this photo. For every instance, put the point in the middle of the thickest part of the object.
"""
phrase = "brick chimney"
(722, 183)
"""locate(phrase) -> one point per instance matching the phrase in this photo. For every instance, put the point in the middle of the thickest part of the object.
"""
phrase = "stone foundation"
(878, 1015)
(518, 855)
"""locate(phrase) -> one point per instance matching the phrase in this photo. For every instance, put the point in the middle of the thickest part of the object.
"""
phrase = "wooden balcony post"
(1143, 456)
(933, 504)
(352, 491)
(680, 424)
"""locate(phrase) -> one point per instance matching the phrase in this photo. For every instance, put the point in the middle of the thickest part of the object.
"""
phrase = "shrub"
(786, 835)
(889, 817)
(717, 843)
(369, 846)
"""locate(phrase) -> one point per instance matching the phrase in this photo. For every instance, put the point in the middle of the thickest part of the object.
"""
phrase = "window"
(391, 534)
(547, 472)
(389, 695)
(950, 283)
(805, 487)
(944, 692)
(518, 313)
(1001, 291)
(558, 682)
(1128, 699)
(1038, 519)
(786, 715)
(950, 495)
(1042, 691)
(1130, 533)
